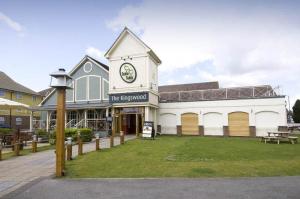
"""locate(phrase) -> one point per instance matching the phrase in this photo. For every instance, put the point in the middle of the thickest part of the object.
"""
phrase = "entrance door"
(129, 124)
(238, 123)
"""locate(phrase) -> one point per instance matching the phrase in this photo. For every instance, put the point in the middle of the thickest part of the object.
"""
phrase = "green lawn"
(189, 157)
(11, 154)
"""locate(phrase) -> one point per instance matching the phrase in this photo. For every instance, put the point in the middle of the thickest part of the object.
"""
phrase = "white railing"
(70, 124)
(80, 124)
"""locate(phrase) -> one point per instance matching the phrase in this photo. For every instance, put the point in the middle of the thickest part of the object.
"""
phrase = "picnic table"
(280, 136)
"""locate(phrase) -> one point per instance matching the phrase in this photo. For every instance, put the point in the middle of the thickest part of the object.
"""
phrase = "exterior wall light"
(59, 79)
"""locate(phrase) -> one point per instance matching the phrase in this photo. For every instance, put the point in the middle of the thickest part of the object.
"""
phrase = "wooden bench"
(293, 139)
(270, 139)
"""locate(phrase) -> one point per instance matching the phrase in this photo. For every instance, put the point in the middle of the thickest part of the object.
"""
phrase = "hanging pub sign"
(128, 72)
(148, 131)
(129, 97)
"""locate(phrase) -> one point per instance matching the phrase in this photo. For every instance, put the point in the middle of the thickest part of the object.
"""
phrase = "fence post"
(69, 148)
(79, 144)
(34, 144)
(121, 137)
(97, 142)
(1, 149)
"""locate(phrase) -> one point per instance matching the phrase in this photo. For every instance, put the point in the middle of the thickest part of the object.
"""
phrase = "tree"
(296, 111)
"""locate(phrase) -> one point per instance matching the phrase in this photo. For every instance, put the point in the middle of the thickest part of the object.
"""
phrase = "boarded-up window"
(189, 123)
(238, 123)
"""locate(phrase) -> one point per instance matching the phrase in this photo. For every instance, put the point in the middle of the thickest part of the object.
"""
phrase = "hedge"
(85, 134)
(5, 131)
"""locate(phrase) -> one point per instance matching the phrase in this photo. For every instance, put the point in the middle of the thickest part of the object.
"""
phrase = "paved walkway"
(18, 171)
(240, 188)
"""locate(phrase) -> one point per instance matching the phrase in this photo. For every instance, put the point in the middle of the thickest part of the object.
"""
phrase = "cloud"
(95, 53)
(246, 44)
(12, 24)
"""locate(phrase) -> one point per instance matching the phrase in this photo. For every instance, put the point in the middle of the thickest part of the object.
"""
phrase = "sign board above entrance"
(129, 97)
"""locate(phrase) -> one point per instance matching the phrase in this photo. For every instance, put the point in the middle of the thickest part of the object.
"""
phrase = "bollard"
(121, 137)
(69, 148)
(1, 146)
(97, 142)
(79, 146)
(17, 148)
(0, 151)
(111, 141)
(34, 144)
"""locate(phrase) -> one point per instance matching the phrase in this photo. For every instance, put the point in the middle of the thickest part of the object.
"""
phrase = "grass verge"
(169, 156)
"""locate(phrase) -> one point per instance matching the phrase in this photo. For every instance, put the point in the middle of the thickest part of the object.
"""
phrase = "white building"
(189, 109)
(131, 82)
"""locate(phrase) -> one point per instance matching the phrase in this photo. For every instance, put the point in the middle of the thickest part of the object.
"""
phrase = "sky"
(238, 43)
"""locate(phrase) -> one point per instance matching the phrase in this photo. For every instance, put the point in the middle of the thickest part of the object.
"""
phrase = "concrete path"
(241, 188)
(18, 171)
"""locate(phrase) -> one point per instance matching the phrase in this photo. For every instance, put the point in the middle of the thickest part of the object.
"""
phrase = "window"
(53, 115)
(19, 110)
(19, 96)
(105, 89)
(88, 88)
(81, 89)
(2, 93)
(34, 98)
(94, 87)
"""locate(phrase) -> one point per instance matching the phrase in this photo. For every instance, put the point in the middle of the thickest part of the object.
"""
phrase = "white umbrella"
(5, 103)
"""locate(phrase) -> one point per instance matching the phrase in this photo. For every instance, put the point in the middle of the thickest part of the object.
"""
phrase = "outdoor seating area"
(8, 139)
(277, 137)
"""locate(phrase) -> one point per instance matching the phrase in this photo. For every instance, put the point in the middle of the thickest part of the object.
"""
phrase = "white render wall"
(266, 114)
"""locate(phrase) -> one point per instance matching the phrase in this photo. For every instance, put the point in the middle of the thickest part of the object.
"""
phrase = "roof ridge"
(10, 84)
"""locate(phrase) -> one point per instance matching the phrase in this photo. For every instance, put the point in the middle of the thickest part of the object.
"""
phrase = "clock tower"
(133, 83)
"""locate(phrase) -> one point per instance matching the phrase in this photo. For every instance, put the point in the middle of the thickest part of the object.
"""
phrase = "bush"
(41, 133)
(296, 111)
(5, 131)
(85, 133)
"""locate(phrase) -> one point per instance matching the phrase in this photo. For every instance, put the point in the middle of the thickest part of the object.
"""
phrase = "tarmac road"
(211, 188)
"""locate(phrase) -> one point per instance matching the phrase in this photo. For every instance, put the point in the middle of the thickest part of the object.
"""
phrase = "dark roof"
(9, 84)
(45, 92)
(189, 87)
(254, 92)
(105, 66)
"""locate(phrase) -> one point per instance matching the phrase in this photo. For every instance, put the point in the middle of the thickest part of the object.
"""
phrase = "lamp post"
(59, 81)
